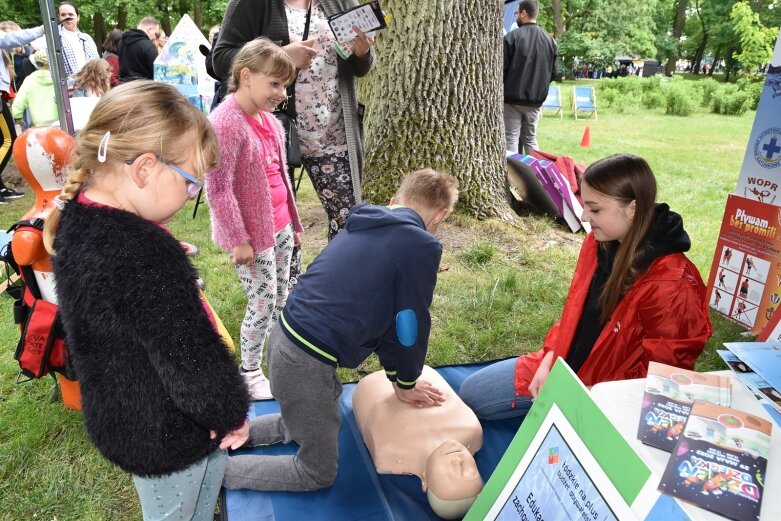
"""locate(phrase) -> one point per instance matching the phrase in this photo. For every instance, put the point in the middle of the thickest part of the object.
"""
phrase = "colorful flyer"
(745, 276)
(720, 462)
(669, 394)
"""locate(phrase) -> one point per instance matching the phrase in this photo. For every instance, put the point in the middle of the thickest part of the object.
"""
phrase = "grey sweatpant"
(308, 394)
(520, 128)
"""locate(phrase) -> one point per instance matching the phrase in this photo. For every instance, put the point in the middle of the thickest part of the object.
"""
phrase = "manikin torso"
(434, 443)
(400, 436)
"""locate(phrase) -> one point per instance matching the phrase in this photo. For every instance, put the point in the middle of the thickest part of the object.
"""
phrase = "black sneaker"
(2, 199)
(9, 193)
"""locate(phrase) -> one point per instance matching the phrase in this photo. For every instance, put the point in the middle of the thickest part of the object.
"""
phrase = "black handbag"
(292, 143)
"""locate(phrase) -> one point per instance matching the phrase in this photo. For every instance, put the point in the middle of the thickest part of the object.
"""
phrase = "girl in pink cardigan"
(253, 213)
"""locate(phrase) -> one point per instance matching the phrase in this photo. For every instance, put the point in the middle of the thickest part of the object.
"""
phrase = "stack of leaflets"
(758, 365)
(720, 461)
(669, 394)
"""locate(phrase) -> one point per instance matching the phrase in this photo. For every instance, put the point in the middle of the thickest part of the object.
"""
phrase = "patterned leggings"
(330, 175)
(266, 285)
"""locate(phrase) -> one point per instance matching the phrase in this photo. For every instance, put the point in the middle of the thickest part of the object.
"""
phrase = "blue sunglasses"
(194, 184)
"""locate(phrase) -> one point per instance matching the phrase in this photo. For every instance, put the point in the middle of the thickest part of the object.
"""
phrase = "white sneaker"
(258, 384)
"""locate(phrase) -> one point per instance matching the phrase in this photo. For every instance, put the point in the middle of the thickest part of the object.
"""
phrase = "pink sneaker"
(258, 385)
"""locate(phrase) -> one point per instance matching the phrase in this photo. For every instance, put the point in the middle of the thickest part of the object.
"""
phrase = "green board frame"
(622, 465)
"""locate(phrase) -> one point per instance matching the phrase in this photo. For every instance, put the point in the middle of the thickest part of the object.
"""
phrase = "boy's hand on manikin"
(301, 52)
(422, 395)
(296, 239)
(243, 254)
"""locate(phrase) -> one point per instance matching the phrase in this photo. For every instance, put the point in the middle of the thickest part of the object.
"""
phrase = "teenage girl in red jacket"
(634, 298)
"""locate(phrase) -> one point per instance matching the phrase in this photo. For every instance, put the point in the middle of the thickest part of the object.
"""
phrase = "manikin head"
(451, 481)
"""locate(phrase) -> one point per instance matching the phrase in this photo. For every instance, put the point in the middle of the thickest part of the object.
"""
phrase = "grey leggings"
(308, 394)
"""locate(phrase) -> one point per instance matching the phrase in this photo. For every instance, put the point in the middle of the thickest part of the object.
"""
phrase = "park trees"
(98, 17)
(435, 100)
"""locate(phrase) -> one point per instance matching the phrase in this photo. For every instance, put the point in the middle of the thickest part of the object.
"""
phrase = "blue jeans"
(490, 392)
(189, 494)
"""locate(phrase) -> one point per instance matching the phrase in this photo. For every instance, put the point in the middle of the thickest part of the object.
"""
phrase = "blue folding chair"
(553, 101)
(584, 100)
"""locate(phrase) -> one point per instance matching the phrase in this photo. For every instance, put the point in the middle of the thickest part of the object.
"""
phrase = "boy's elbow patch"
(407, 327)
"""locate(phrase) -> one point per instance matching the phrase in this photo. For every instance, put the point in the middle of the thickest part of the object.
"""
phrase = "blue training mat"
(359, 493)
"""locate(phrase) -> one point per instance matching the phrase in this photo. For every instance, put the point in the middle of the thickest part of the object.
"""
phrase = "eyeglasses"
(194, 184)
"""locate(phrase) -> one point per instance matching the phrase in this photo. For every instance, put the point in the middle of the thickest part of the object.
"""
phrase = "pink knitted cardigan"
(238, 190)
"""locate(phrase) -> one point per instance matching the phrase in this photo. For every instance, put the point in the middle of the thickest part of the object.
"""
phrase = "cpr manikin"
(434, 443)
(41, 154)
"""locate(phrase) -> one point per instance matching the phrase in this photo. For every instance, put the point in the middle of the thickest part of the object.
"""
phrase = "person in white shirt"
(77, 47)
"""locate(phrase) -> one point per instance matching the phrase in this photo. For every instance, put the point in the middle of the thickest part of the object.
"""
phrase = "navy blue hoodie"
(377, 273)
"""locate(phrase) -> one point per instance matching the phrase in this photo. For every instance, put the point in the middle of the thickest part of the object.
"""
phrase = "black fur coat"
(155, 377)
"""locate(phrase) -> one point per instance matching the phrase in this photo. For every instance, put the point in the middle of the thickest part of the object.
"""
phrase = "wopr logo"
(767, 148)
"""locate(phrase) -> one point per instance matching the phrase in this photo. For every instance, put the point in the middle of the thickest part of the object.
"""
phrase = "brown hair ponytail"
(625, 178)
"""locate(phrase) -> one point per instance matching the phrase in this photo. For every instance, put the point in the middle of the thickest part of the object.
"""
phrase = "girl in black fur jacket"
(162, 396)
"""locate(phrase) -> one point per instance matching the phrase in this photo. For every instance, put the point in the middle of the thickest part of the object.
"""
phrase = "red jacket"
(663, 318)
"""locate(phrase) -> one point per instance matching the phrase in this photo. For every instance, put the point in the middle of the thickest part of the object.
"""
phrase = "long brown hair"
(95, 76)
(625, 178)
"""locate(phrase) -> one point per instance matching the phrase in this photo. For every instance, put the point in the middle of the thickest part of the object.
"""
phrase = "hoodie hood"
(133, 36)
(42, 78)
(367, 216)
(665, 237)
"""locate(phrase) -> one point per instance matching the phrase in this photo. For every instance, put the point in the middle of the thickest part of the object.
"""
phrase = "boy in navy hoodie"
(368, 291)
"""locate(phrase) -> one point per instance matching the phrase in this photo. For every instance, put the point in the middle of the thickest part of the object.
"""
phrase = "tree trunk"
(121, 16)
(558, 19)
(435, 100)
(716, 58)
(700, 54)
(680, 18)
(198, 13)
(99, 27)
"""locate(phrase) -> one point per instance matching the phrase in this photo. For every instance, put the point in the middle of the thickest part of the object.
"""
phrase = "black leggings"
(7, 138)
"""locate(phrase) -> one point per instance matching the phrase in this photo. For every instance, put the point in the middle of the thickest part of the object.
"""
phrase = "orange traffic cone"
(585, 141)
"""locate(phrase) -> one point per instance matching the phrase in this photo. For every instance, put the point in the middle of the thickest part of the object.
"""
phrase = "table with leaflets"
(621, 403)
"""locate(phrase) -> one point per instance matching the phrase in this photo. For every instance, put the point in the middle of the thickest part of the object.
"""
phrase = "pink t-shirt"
(268, 141)
(86, 201)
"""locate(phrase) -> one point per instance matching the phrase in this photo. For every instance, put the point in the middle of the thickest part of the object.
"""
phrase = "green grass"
(502, 287)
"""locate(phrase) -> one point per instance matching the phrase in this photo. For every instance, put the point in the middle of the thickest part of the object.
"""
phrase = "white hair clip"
(103, 147)
(59, 202)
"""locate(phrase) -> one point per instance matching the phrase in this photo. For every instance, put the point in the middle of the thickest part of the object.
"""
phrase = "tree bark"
(680, 18)
(558, 18)
(435, 100)
(198, 13)
(99, 26)
(121, 16)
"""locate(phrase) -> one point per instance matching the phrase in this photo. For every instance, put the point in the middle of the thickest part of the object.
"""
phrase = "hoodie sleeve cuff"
(403, 384)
